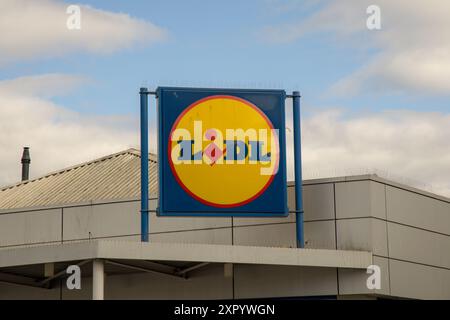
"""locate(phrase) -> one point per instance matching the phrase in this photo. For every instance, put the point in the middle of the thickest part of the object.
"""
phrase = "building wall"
(407, 231)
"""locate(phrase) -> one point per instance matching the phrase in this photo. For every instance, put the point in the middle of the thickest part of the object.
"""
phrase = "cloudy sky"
(373, 100)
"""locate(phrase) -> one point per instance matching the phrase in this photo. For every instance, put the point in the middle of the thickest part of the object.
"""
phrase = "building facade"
(91, 213)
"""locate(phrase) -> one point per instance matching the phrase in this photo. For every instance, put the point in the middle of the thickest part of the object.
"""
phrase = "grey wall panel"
(208, 236)
(205, 283)
(16, 292)
(354, 234)
(360, 199)
(355, 281)
(318, 202)
(320, 235)
(417, 281)
(211, 236)
(118, 219)
(101, 220)
(417, 210)
(417, 245)
(250, 221)
(30, 227)
(255, 221)
(134, 238)
(273, 235)
(379, 238)
(164, 224)
(367, 234)
(378, 200)
(278, 281)
(291, 197)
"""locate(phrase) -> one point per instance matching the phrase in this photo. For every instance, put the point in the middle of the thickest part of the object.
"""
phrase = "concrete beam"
(128, 250)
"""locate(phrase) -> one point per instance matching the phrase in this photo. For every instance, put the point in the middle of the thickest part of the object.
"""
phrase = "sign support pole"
(144, 164)
(298, 170)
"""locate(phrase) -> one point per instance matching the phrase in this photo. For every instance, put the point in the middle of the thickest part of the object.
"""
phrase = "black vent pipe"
(26, 160)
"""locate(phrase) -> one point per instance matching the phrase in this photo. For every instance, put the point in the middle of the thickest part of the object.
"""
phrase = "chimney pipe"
(26, 163)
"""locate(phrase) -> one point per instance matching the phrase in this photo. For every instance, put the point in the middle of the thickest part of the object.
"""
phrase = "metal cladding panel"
(356, 199)
(268, 235)
(355, 281)
(30, 227)
(99, 221)
(280, 281)
(320, 235)
(362, 234)
(211, 236)
(420, 246)
(318, 201)
(174, 105)
(418, 210)
(169, 224)
(418, 281)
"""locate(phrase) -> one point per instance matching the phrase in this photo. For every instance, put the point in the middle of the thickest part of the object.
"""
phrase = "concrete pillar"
(49, 270)
(98, 279)
(228, 270)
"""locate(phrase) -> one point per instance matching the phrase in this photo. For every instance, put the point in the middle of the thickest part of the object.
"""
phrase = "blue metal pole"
(298, 170)
(144, 164)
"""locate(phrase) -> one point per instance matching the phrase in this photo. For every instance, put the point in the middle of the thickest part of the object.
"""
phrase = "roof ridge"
(133, 151)
(136, 152)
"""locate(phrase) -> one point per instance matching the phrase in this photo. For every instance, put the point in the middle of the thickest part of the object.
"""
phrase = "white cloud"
(57, 136)
(31, 29)
(45, 85)
(404, 146)
(413, 51)
(419, 71)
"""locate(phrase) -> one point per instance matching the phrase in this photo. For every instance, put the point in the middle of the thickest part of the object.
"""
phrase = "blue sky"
(372, 99)
(219, 43)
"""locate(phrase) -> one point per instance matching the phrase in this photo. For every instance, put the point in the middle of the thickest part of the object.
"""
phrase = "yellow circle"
(219, 181)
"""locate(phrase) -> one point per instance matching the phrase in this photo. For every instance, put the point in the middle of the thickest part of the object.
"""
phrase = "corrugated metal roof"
(116, 176)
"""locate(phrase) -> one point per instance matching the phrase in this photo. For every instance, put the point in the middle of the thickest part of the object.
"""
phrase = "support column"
(98, 279)
(298, 170)
(144, 164)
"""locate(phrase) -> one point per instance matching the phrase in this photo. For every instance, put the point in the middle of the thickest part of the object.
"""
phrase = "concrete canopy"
(128, 250)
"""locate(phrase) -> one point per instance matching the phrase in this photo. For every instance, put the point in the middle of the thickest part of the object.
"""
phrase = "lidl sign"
(221, 152)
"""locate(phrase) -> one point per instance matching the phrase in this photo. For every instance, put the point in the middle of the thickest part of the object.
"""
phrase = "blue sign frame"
(173, 200)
